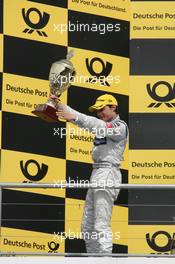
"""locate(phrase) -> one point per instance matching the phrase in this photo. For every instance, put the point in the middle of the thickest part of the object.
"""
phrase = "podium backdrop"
(33, 35)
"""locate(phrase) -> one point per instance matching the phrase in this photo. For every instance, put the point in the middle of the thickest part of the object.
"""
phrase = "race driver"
(108, 147)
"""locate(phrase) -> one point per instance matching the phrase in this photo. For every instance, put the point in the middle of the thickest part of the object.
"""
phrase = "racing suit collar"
(113, 120)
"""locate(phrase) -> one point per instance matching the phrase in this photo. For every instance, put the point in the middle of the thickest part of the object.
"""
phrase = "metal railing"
(12, 185)
(85, 186)
(121, 255)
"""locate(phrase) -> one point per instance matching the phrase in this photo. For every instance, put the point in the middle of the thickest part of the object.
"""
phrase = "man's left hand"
(65, 115)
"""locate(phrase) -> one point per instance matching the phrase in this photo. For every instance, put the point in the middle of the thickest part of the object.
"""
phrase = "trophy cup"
(60, 76)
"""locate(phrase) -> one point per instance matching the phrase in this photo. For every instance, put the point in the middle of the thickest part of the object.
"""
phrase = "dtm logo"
(43, 19)
(152, 241)
(161, 99)
(40, 173)
(101, 76)
(53, 247)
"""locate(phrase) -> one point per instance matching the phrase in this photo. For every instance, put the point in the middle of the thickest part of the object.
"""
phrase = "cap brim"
(95, 107)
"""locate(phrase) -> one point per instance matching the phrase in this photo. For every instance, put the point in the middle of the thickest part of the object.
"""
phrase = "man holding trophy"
(108, 147)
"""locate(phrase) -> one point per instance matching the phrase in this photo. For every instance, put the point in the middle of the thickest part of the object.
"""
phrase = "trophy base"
(46, 112)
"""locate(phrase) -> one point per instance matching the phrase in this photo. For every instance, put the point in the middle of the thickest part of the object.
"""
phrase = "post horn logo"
(106, 70)
(41, 170)
(152, 241)
(42, 22)
(161, 99)
(53, 247)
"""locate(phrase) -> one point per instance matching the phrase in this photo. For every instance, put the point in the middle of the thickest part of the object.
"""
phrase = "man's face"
(106, 113)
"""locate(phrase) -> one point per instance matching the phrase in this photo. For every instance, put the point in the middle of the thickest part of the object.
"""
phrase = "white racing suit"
(109, 145)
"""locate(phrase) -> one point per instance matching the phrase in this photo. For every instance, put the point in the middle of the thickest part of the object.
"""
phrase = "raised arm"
(116, 131)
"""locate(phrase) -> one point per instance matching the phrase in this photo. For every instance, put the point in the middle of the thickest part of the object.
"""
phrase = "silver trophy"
(60, 77)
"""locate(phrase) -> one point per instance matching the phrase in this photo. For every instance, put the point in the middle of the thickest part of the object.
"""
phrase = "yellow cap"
(103, 100)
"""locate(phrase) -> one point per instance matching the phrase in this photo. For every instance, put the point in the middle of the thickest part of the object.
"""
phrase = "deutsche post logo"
(152, 91)
(40, 173)
(106, 69)
(53, 247)
(43, 20)
(154, 245)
